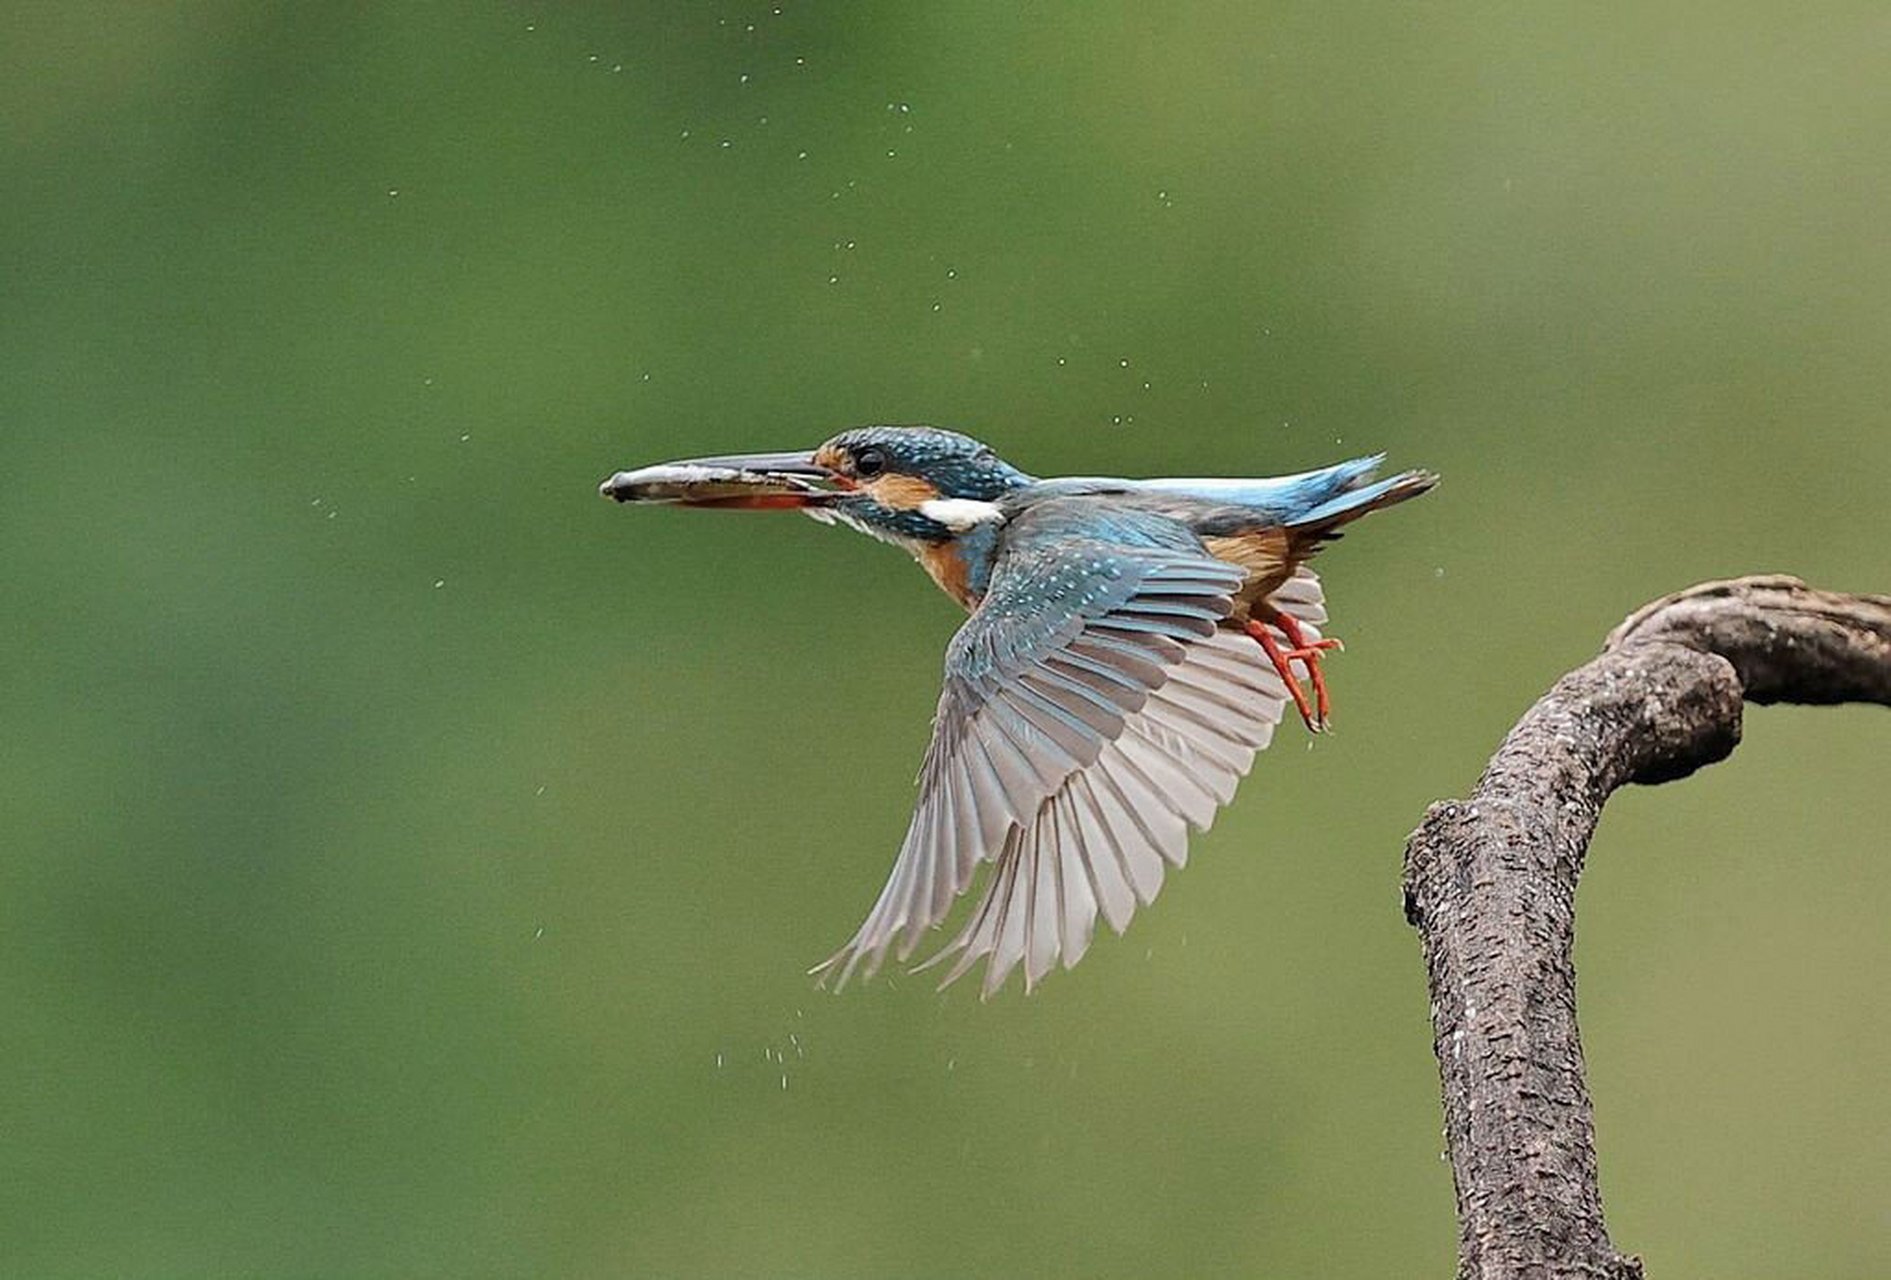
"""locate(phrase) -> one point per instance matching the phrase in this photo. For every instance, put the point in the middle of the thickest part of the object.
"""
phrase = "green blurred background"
(411, 861)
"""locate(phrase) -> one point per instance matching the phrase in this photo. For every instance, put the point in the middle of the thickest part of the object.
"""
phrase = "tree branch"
(1490, 884)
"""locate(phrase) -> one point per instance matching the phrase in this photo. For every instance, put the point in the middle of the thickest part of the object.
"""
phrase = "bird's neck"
(954, 539)
(962, 565)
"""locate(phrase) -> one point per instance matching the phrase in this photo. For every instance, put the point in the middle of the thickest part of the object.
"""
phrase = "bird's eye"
(869, 462)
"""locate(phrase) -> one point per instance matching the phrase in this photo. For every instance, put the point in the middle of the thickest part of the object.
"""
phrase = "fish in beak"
(737, 481)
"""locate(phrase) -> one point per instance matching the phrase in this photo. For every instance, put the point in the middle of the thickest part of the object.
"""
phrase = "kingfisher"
(1132, 646)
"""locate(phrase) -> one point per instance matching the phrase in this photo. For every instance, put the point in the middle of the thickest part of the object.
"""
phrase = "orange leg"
(1313, 711)
(1308, 651)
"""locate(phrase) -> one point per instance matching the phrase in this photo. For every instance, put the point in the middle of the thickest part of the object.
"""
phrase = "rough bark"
(1490, 884)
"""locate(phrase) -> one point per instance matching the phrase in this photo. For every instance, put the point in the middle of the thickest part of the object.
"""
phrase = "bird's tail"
(1343, 508)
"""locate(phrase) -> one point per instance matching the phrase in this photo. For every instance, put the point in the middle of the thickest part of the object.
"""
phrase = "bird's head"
(916, 482)
(904, 484)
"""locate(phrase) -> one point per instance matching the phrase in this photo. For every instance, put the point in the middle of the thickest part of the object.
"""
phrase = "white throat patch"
(961, 514)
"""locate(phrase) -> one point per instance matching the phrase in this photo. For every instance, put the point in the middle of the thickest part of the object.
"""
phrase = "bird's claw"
(1315, 710)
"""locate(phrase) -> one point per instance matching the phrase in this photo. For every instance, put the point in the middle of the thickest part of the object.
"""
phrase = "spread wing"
(1094, 710)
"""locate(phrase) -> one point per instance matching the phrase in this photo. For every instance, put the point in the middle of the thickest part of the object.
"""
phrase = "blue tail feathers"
(1352, 503)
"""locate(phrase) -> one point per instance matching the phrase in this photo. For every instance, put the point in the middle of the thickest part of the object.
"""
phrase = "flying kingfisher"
(1132, 644)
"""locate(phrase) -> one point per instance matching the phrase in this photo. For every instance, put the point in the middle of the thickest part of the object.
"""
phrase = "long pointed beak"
(752, 481)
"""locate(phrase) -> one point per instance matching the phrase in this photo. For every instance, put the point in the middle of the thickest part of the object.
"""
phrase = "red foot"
(1306, 652)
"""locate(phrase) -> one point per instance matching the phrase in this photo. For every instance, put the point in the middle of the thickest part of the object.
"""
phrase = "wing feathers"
(1135, 825)
(1076, 757)
(1090, 835)
(1045, 940)
(1079, 903)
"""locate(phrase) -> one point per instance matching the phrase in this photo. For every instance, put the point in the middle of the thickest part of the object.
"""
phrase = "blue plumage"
(1284, 498)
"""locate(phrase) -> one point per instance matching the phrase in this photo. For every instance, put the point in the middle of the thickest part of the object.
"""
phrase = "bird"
(1131, 646)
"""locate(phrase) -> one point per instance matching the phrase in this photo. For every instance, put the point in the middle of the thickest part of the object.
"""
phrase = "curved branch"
(1490, 884)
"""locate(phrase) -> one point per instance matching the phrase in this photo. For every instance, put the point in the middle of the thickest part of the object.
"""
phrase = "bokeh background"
(411, 862)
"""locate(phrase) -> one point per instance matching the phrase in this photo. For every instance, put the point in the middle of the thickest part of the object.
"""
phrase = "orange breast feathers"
(1266, 554)
(947, 568)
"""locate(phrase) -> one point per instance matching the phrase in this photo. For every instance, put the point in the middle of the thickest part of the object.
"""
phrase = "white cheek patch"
(961, 514)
